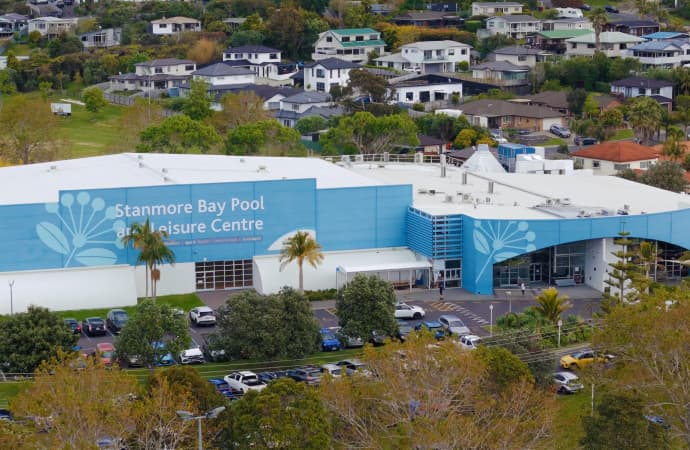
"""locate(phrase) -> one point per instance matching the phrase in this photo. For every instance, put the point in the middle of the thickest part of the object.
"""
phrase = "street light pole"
(11, 284)
(212, 414)
(491, 319)
(510, 301)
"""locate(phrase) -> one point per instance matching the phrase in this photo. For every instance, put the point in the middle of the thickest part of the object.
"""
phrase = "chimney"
(443, 165)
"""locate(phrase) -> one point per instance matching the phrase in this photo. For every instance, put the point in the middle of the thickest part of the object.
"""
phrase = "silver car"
(453, 325)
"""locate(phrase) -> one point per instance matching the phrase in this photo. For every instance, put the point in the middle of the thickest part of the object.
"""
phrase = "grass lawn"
(8, 390)
(92, 134)
(623, 134)
(183, 301)
(18, 49)
(555, 142)
(567, 429)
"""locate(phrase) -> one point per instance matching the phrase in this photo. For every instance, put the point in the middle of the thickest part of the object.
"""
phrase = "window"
(451, 52)
(522, 57)
(224, 274)
(373, 37)
(273, 56)
(646, 164)
(346, 39)
(573, 45)
(409, 96)
(590, 46)
(158, 70)
(619, 167)
(623, 46)
(329, 39)
(359, 38)
(162, 25)
(320, 73)
(641, 91)
(596, 164)
(189, 67)
(463, 51)
(656, 91)
(321, 87)
(295, 107)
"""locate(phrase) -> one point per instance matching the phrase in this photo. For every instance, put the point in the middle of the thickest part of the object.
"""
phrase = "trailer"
(61, 109)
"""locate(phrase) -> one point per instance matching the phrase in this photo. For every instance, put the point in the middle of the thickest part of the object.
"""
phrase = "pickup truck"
(244, 381)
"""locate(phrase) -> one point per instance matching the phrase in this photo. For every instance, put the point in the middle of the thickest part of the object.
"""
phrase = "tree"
(621, 275)
(503, 368)
(465, 138)
(310, 124)
(94, 99)
(683, 110)
(374, 86)
(135, 119)
(266, 327)
(365, 304)
(370, 134)
(74, 408)
(204, 51)
(674, 147)
(150, 324)
(552, 305)
(441, 126)
(598, 18)
(666, 175)
(647, 255)
(178, 134)
(610, 119)
(198, 105)
(285, 412)
(645, 117)
(301, 247)
(27, 339)
(576, 100)
(238, 109)
(7, 83)
(265, 137)
(29, 132)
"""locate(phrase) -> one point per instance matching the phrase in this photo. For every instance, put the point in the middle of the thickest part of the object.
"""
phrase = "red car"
(105, 353)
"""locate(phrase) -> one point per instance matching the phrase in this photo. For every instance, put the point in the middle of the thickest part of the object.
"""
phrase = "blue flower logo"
(88, 224)
(501, 243)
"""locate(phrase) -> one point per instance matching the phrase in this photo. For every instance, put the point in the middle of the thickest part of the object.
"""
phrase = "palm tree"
(152, 251)
(674, 147)
(598, 19)
(301, 246)
(552, 305)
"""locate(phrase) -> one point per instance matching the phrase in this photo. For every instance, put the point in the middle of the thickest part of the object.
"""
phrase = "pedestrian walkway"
(455, 307)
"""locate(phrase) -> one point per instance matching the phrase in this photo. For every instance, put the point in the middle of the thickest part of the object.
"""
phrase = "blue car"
(224, 388)
(164, 358)
(435, 327)
(329, 342)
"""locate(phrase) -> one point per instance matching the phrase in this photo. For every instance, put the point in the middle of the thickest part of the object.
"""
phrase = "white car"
(567, 383)
(405, 311)
(244, 381)
(191, 356)
(470, 341)
(202, 315)
(333, 370)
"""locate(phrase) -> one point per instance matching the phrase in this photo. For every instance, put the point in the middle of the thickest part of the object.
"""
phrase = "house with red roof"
(609, 158)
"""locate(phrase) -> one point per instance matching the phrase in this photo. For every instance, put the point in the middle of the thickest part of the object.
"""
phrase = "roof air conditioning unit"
(421, 191)
(626, 207)
(261, 169)
(432, 191)
(141, 164)
(164, 170)
(449, 199)
(565, 201)
(241, 160)
(466, 197)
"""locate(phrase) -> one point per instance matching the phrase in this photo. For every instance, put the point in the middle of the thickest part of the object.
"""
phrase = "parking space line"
(331, 311)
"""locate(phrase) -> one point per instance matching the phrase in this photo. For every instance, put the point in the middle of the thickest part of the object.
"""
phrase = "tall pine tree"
(623, 274)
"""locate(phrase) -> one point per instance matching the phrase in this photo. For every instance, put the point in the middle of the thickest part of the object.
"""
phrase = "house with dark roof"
(222, 74)
(641, 86)
(496, 114)
(609, 158)
(306, 104)
(507, 73)
(518, 26)
(265, 62)
(556, 100)
(428, 145)
(324, 74)
(636, 27)
(12, 23)
(429, 19)
(350, 44)
(664, 35)
(567, 24)
(662, 53)
(158, 74)
(520, 55)
(429, 89)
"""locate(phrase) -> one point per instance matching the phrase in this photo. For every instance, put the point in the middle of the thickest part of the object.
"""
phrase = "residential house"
(556, 100)
(432, 90)
(12, 23)
(659, 90)
(555, 41)
(104, 38)
(264, 61)
(350, 44)
(220, 74)
(495, 114)
(520, 55)
(234, 23)
(427, 57)
(504, 71)
(570, 13)
(635, 27)
(43, 10)
(306, 104)
(323, 75)
(491, 9)
(428, 145)
(567, 24)
(606, 101)
(443, 7)
(271, 95)
(665, 35)
(663, 54)
(613, 43)
(609, 158)
(174, 25)
(158, 74)
(52, 27)
(428, 19)
(514, 26)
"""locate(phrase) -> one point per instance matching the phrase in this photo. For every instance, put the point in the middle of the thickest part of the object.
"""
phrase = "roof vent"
(140, 156)
(432, 191)
(166, 180)
(53, 168)
(421, 191)
(164, 170)
(141, 164)
(448, 199)
(241, 160)
(261, 169)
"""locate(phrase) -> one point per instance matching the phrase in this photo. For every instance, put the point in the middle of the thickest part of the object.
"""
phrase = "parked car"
(5, 415)
(116, 319)
(585, 7)
(497, 136)
(244, 381)
(332, 369)
(202, 316)
(328, 340)
(224, 388)
(309, 375)
(73, 325)
(611, 9)
(567, 383)
(469, 341)
(192, 356)
(92, 326)
(434, 327)
(378, 337)
(105, 353)
(656, 420)
(353, 366)
(581, 359)
(453, 324)
(560, 131)
(348, 341)
(404, 329)
(212, 349)
(405, 311)
(267, 377)
(581, 140)
(164, 358)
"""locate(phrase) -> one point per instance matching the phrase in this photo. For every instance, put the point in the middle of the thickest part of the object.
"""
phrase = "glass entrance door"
(535, 272)
(508, 276)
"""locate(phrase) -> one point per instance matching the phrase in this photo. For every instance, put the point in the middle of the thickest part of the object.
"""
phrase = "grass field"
(92, 134)
(623, 134)
(568, 429)
(183, 301)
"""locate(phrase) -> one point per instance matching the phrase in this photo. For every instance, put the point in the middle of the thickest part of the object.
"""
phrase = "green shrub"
(473, 25)
(418, 107)
(322, 294)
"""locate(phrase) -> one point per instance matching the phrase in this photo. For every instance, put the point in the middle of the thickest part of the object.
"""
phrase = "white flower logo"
(88, 223)
(501, 244)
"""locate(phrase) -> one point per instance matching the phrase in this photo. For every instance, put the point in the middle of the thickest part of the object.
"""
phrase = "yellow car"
(580, 359)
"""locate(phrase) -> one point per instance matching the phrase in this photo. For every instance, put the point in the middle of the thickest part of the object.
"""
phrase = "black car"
(92, 326)
(116, 319)
(581, 140)
(267, 377)
(73, 325)
(611, 9)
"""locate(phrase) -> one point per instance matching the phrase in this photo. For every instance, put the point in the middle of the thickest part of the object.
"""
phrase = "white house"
(613, 43)
(350, 44)
(435, 56)
(640, 86)
(664, 54)
(104, 38)
(572, 13)
(567, 24)
(52, 27)
(496, 8)
(264, 61)
(12, 23)
(425, 89)
(222, 74)
(515, 26)
(156, 74)
(520, 55)
(300, 105)
(174, 25)
(324, 74)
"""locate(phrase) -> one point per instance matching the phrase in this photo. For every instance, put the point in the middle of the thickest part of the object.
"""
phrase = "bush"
(418, 107)
(322, 294)
(473, 25)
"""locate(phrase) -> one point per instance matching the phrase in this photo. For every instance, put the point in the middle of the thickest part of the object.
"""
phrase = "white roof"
(483, 161)
(607, 37)
(383, 267)
(435, 45)
(40, 183)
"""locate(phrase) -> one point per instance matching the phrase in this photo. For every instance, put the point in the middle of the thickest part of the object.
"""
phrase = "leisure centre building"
(62, 224)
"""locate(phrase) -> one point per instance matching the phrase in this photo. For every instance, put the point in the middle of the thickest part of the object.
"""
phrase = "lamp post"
(510, 301)
(212, 414)
(11, 285)
(491, 319)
